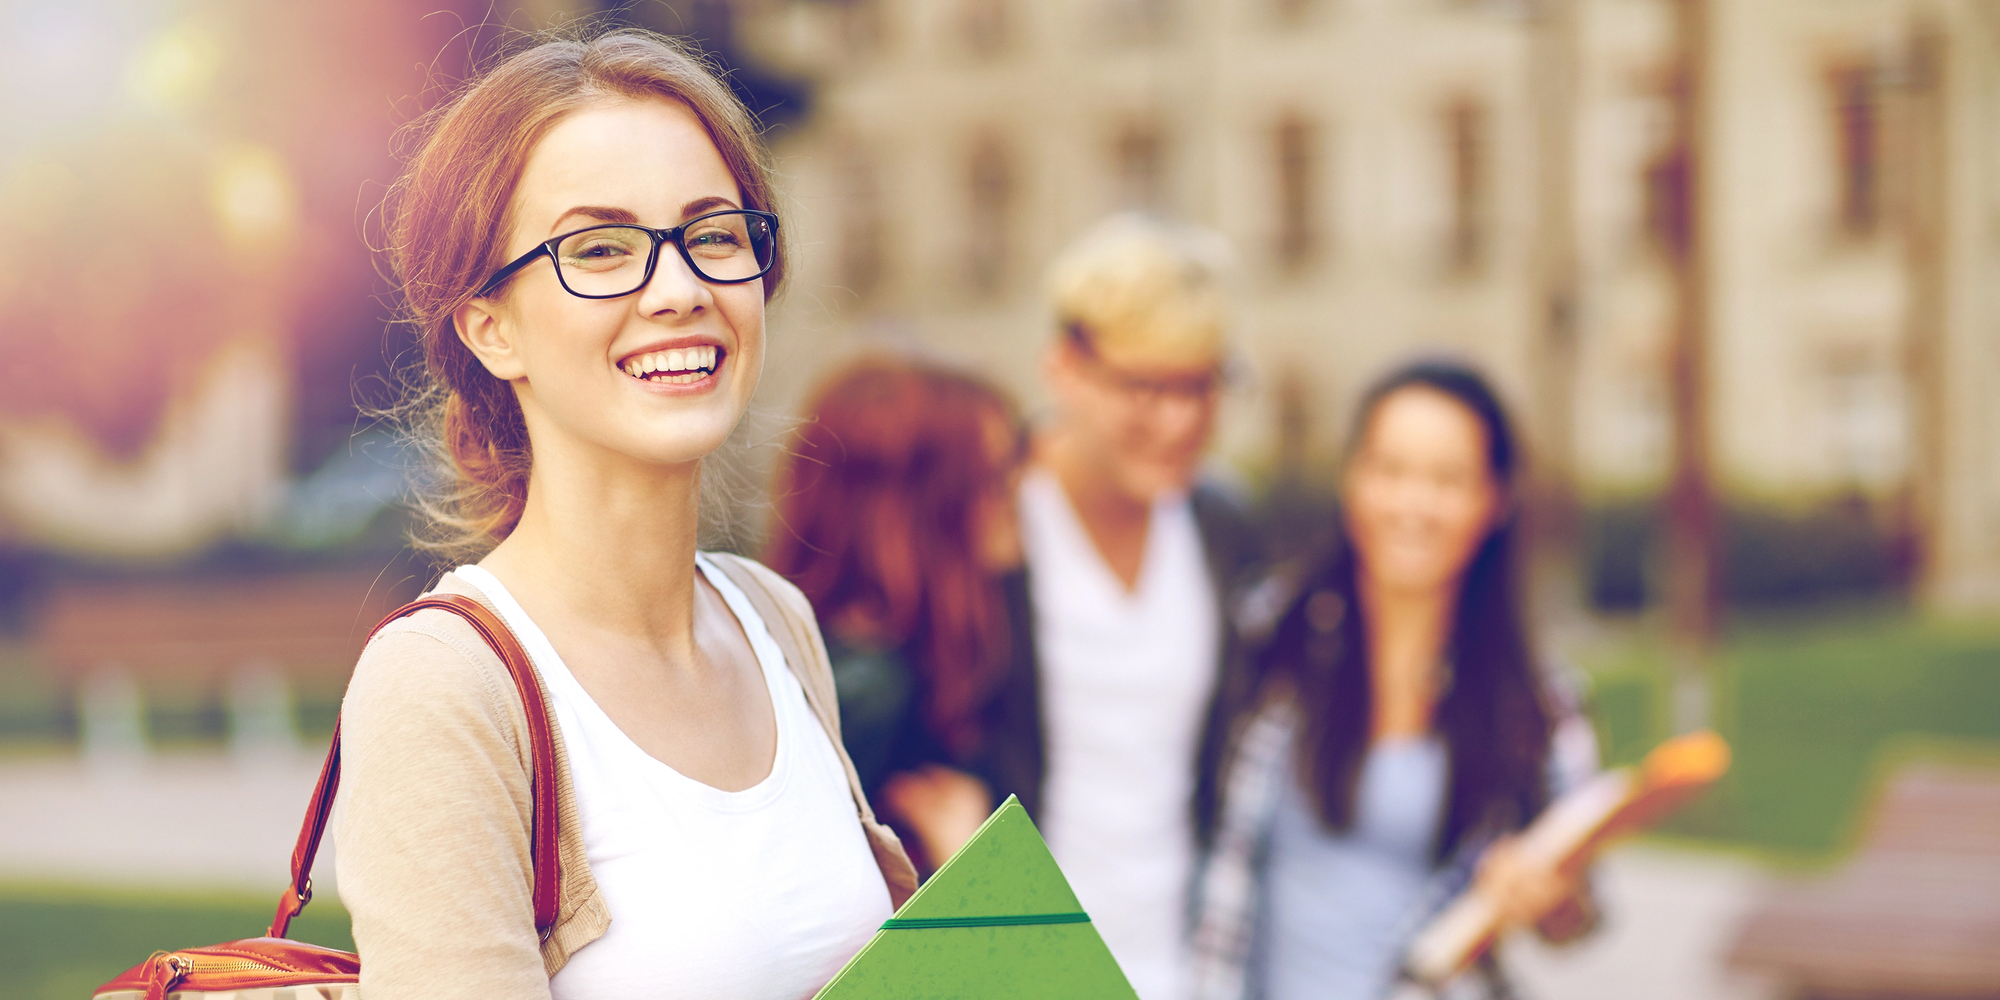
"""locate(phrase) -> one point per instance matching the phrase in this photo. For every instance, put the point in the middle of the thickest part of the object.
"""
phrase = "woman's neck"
(607, 541)
(1407, 633)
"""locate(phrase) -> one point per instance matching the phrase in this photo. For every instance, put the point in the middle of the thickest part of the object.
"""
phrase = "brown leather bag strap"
(542, 781)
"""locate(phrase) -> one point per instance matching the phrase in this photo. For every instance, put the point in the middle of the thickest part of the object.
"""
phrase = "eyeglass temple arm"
(511, 269)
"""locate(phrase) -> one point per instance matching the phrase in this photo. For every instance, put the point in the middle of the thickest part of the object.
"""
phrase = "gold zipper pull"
(168, 971)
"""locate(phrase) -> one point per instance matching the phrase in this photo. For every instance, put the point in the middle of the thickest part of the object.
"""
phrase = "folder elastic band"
(1015, 920)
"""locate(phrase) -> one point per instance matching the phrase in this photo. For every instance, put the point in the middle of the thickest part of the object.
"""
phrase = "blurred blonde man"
(1128, 556)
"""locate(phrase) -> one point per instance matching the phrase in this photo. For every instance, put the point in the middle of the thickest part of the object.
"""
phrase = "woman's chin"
(680, 438)
(1396, 577)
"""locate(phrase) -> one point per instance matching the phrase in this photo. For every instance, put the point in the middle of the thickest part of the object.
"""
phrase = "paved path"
(1669, 916)
(170, 822)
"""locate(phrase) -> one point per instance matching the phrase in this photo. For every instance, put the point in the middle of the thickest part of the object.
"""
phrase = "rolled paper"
(1568, 835)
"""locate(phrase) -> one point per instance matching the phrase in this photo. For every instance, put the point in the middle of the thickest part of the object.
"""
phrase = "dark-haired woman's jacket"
(1253, 727)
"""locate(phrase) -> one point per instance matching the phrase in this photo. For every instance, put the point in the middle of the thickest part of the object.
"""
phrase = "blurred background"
(1736, 263)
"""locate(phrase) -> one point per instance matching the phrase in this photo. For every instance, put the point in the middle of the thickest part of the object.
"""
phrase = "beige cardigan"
(432, 825)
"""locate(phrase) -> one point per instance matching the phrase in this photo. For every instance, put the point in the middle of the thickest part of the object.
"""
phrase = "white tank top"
(761, 894)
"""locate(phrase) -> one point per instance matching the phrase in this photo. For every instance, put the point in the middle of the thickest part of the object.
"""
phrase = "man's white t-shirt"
(1125, 679)
(759, 894)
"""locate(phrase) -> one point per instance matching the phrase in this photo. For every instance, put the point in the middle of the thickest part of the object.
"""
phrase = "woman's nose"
(674, 288)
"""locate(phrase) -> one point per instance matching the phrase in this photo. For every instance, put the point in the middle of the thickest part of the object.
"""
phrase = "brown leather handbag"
(272, 967)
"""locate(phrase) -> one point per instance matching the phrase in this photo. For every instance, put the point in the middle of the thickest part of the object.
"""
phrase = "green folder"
(998, 920)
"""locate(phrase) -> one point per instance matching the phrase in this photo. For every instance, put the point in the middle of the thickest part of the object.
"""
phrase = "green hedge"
(1842, 549)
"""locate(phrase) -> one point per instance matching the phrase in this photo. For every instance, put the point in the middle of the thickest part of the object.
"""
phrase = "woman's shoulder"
(427, 663)
(1279, 590)
(770, 581)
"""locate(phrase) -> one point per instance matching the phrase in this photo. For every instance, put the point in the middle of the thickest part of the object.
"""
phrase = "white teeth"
(678, 367)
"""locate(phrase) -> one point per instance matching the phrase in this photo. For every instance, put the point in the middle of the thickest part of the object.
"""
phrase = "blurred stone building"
(1490, 178)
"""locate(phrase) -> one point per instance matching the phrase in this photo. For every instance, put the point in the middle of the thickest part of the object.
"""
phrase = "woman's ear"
(488, 334)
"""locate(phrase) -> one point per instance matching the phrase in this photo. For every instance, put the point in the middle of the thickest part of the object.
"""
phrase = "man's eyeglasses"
(1147, 390)
(605, 262)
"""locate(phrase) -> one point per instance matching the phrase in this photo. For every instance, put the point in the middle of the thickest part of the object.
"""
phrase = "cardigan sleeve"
(431, 836)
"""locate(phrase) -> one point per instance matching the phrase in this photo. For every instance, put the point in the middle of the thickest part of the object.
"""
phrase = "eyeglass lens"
(1199, 388)
(611, 260)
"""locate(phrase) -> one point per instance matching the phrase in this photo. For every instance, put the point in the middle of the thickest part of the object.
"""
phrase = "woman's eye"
(713, 238)
(598, 251)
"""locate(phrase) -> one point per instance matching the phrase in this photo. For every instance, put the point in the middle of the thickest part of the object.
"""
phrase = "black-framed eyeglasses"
(606, 262)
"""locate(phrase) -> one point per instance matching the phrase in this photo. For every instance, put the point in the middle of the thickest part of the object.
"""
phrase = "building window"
(986, 25)
(1291, 13)
(1295, 155)
(990, 186)
(1857, 119)
(864, 27)
(1466, 138)
(1138, 20)
(1139, 165)
(1865, 421)
(862, 263)
(1669, 201)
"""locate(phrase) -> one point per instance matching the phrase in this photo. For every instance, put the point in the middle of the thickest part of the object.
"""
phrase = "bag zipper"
(170, 969)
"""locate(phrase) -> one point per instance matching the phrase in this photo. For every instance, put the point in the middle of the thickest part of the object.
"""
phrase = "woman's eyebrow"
(598, 212)
(620, 216)
(700, 205)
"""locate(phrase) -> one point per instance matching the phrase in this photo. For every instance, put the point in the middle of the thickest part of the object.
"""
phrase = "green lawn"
(60, 944)
(1816, 710)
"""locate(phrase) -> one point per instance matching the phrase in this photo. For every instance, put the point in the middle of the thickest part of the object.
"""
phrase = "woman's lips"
(679, 366)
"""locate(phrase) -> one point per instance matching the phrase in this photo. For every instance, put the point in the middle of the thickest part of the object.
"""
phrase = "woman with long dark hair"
(1388, 728)
(895, 517)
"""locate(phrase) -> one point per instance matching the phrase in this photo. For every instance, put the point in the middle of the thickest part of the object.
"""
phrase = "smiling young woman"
(1387, 730)
(585, 244)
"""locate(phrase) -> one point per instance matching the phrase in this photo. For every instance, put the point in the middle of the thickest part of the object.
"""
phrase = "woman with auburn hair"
(895, 517)
(1389, 730)
(585, 243)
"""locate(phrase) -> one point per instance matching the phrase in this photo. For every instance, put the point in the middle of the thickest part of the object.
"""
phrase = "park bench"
(1916, 914)
(250, 637)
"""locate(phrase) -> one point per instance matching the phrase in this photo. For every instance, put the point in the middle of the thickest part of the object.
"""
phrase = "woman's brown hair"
(447, 219)
(879, 522)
